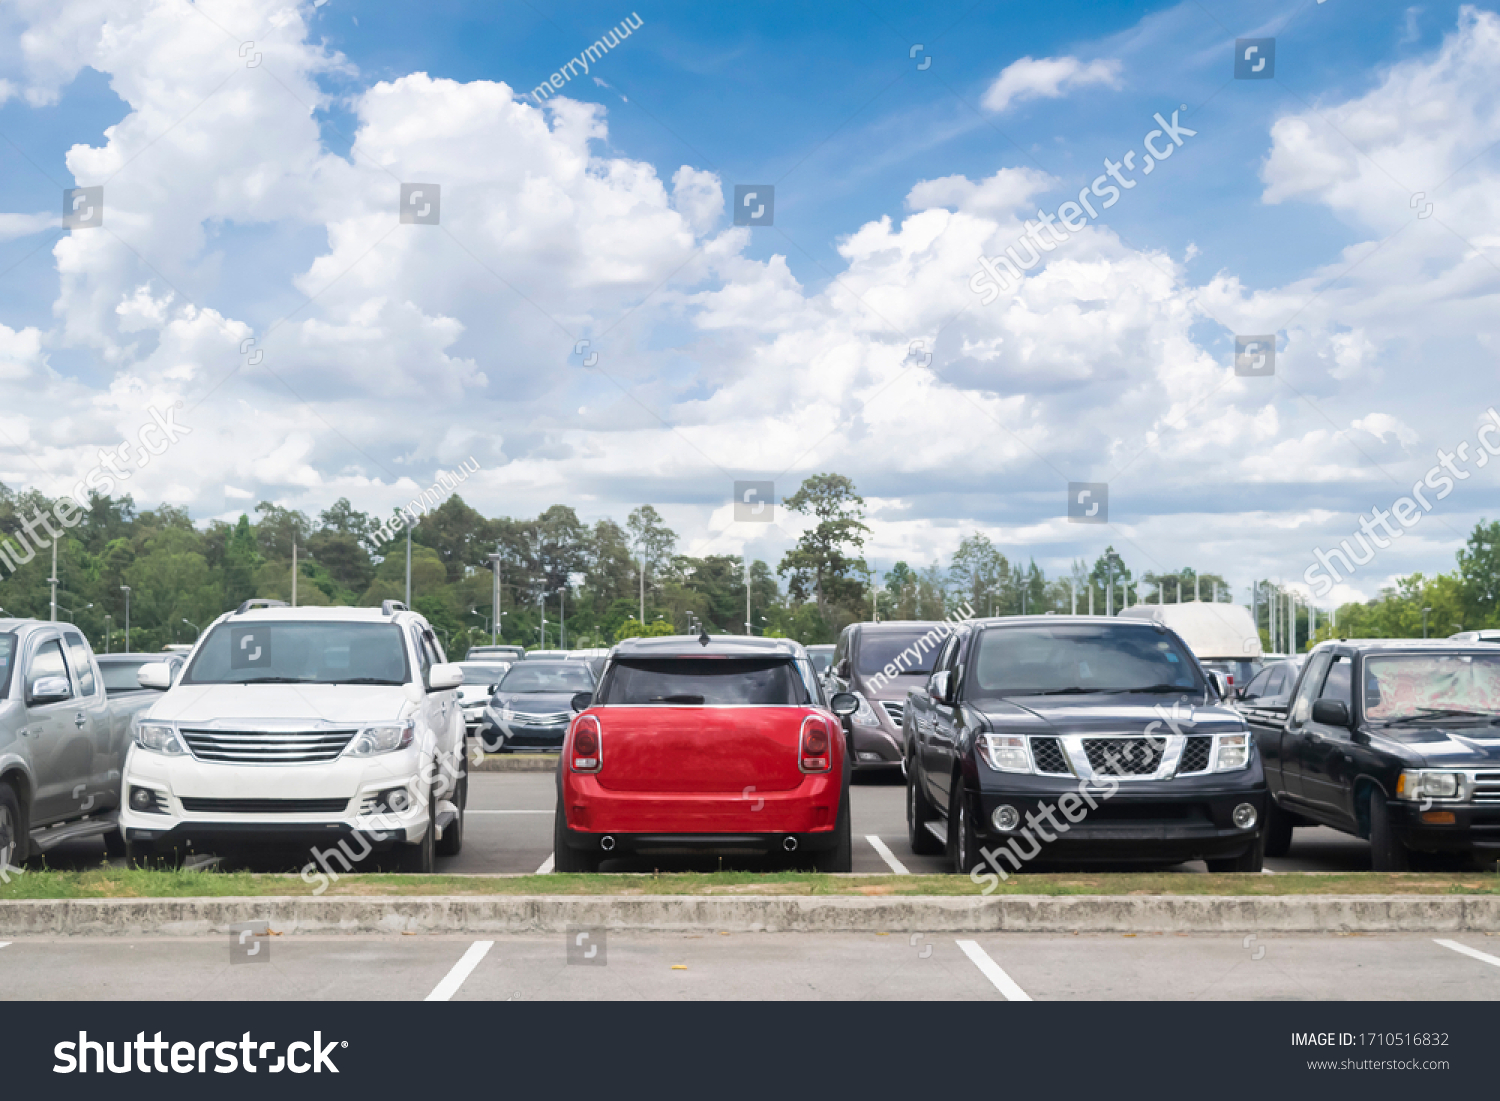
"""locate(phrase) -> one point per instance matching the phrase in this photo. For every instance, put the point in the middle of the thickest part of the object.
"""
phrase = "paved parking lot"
(509, 830)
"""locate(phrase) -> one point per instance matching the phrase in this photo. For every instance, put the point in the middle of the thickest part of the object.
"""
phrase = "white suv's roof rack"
(251, 604)
(391, 607)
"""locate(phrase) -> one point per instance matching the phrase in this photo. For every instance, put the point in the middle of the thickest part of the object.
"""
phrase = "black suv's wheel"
(840, 858)
(1387, 854)
(962, 840)
(1278, 829)
(13, 842)
(421, 857)
(919, 811)
(565, 859)
(453, 837)
(1252, 859)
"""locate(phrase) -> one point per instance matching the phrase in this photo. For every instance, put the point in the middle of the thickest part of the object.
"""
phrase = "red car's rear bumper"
(810, 808)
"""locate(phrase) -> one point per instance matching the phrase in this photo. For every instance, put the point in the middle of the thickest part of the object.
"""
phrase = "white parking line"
(4, 944)
(993, 971)
(461, 971)
(546, 868)
(1474, 953)
(468, 810)
(886, 855)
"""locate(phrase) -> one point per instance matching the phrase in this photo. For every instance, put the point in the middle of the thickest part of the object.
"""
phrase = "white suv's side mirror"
(443, 677)
(157, 674)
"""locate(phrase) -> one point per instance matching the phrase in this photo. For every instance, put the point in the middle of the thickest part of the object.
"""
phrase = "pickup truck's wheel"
(840, 858)
(453, 837)
(963, 841)
(565, 859)
(419, 858)
(12, 829)
(1278, 829)
(1387, 854)
(114, 843)
(919, 811)
(1252, 859)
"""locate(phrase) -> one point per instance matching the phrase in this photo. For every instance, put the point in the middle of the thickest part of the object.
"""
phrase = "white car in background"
(305, 727)
(481, 678)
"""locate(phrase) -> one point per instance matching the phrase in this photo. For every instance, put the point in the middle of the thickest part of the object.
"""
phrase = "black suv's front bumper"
(1139, 822)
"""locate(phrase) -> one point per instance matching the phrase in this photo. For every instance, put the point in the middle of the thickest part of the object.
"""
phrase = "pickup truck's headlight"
(159, 738)
(864, 715)
(1004, 752)
(1234, 751)
(1420, 783)
(374, 740)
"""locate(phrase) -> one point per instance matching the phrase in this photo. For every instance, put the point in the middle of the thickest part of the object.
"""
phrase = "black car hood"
(535, 703)
(1113, 712)
(1443, 746)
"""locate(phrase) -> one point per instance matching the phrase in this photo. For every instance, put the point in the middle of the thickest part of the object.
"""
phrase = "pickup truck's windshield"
(300, 652)
(7, 659)
(1068, 658)
(717, 682)
(1417, 686)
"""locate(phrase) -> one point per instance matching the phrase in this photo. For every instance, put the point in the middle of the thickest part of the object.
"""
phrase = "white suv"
(306, 727)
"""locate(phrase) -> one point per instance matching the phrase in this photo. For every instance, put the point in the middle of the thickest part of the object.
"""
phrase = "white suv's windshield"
(1440, 686)
(1031, 661)
(300, 652)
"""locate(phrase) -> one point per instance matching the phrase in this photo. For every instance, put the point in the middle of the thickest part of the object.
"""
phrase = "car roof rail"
(251, 604)
(391, 607)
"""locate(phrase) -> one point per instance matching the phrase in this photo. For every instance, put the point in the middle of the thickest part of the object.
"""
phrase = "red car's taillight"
(586, 749)
(815, 751)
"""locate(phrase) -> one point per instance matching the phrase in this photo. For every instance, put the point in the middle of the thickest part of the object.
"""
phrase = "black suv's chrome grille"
(1124, 756)
(237, 747)
(265, 806)
(1195, 755)
(1048, 755)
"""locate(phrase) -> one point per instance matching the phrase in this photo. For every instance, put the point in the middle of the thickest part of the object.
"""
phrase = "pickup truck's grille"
(1195, 755)
(1124, 756)
(261, 748)
(895, 709)
(265, 806)
(1487, 787)
(1048, 755)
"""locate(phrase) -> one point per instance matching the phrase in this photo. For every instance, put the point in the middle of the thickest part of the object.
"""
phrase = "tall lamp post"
(126, 590)
(1425, 612)
(197, 630)
(109, 629)
(495, 601)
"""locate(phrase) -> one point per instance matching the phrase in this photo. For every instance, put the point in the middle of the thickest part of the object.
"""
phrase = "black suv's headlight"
(1004, 752)
(1234, 752)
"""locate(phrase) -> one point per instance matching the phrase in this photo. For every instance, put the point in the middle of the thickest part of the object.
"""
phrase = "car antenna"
(703, 639)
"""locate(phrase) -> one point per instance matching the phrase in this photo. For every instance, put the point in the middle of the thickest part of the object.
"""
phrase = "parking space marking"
(885, 854)
(993, 971)
(461, 971)
(4, 944)
(546, 868)
(1483, 957)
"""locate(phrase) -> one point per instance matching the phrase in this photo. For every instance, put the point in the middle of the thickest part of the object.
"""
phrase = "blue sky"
(237, 207)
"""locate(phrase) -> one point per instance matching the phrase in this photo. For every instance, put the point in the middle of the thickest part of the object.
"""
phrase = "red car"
(691, 745)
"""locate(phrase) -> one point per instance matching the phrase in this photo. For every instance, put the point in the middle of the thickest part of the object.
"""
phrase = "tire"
(1252, 860)
(1387, 854)
(1279, 826)
(13, 835)
(564, 859)
(919, 811)
(420, 858)
(114, 843)
(453, 837)
(840, 858)
(963, 842)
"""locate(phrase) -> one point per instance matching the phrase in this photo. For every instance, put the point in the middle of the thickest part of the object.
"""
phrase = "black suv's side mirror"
(844, 704)
(1330, 712)
(582, 701)
(937, 687)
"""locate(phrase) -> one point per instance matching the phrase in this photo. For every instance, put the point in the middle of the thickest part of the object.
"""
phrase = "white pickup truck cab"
(329, 730)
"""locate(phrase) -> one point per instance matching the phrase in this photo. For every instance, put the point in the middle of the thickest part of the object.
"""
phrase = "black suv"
(1079, 739)
(1410, 760)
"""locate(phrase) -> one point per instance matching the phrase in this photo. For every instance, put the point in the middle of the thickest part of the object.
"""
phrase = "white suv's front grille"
(250, 747)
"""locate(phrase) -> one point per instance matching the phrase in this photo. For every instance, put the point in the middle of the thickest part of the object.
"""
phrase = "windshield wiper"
(1158, 688)
(368, 680)
(1441, 713)
(274, 680)
(680, 698)
(1064, 691)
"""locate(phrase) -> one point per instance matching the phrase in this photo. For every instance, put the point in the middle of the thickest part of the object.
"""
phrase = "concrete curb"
(493, 914)
(516, 762)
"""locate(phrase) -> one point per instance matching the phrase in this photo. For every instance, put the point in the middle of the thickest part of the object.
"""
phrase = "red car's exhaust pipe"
(789, 844)
(607, 843)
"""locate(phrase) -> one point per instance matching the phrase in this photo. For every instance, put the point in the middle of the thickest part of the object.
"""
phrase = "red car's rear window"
(690, 681)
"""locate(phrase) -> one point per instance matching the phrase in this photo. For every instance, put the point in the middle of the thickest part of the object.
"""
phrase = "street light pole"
(126, 590)
(53, 581)
(408, 562)
(109, 628)
(495, 598)
(1424, 621)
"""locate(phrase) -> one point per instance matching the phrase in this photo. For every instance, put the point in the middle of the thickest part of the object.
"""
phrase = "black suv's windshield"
(690, 681)
(548, 676)
(7, 659)
(1417, 686)
(877, 649)
(1079, 658)
(300, 652)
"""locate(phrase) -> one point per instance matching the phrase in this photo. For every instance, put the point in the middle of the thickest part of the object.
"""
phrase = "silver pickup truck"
(62, 741)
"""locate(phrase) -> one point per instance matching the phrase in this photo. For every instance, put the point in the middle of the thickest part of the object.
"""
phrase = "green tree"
(823, 564)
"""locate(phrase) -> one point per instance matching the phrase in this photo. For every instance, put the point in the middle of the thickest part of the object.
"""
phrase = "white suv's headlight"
(1418, 783)
(1004, 752)
(159, 738)
(1234, 752)
(374, 740)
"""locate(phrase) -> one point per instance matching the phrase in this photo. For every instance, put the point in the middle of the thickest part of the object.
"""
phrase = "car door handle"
(80, 719)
